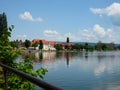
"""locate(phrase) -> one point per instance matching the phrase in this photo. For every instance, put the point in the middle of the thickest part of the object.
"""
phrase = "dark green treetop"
(7, 54)
(41, 45)
(27, 43)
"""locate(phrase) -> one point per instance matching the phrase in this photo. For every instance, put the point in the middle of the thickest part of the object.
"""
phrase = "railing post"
(5, 78)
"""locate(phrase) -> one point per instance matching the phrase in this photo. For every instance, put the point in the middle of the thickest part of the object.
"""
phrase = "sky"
(55, 20)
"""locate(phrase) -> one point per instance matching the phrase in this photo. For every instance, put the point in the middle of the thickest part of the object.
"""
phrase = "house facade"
(47, 45)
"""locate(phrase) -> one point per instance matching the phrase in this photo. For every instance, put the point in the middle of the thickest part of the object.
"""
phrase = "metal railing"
(38, 82)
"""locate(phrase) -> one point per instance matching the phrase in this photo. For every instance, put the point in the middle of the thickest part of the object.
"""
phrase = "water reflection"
(45, 57)
(37, 56)
(67, 56)
(99, 69)
(80, 70)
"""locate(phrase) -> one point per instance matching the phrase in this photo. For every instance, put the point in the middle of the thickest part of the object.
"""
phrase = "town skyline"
(81, 21)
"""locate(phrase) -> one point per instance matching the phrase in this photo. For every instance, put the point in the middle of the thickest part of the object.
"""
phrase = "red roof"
(43, 41)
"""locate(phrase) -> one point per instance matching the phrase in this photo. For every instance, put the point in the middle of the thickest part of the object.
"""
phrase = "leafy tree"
(86, 46)
(35, 45)
(27, 43)
(104, 47)
(76, 46)
(111, 46)
(3, 24)
(8, 56)
(40, 45)
(17, 83)
(58, 47)
(14, 44)
(99, 46)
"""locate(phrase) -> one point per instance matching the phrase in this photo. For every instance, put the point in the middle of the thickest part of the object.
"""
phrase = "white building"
(47, 45)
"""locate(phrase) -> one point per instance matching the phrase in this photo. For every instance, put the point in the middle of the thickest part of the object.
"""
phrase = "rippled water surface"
(81, 70)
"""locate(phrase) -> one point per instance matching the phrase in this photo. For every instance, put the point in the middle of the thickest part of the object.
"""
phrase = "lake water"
(81, 70)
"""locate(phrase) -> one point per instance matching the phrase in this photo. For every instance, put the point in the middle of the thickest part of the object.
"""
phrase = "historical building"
(47, 45)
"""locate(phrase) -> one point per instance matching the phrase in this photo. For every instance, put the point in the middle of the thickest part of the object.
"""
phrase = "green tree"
(8, 56)
(27, 43)
(3, 24)
(104, 47)
(58, 47)
(40, 45)
(35, 45)
(14, 44)
(86, 46)
(111, 46)
(99, 46)
(18, 83)
(76, 47)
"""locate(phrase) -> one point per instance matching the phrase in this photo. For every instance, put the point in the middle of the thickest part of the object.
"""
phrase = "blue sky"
(80, 20)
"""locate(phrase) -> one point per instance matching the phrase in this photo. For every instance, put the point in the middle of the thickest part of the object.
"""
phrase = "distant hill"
(89, 43)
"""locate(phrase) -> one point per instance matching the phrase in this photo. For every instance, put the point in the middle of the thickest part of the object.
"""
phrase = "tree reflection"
(86, 55)
(40, 56)
(67, 55)
(34, 56)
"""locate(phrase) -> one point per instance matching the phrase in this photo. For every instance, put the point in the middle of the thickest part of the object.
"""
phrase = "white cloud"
(97, 11)
(50, 33)
(112, 11)
(54, 35)
(87, 35)
(27, 16)
(93, 34)
(99, 30)
(99, 33)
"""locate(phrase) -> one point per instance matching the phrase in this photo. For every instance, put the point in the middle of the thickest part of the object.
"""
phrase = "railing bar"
(43, 84)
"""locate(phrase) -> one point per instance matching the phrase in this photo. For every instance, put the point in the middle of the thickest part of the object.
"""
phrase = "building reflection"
(38, 56)
(45, 57)
(48, 57)
(51, 57)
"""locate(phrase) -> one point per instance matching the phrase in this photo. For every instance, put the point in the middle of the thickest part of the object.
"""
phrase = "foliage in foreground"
(18, 83)
(8, 55)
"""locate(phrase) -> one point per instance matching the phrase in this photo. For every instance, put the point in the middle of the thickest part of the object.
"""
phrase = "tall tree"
(40, 45)
(99, 46)
(3, 24)
(7, 54)
(27, 43)
(86, 46)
